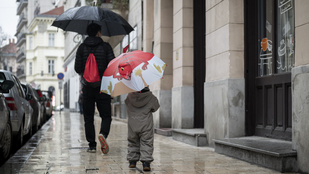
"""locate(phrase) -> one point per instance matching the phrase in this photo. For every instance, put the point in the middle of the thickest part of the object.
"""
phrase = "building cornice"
(41, 18)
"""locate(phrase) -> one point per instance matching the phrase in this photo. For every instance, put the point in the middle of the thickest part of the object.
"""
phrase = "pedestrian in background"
(80, 102)
(140, 106)
(103, 54)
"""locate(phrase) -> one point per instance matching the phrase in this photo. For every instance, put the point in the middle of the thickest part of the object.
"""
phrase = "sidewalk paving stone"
(60, 147)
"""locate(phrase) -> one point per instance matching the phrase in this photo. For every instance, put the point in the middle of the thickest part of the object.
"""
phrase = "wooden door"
(269, 70)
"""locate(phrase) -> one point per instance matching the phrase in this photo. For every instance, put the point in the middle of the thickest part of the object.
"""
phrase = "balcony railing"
(21, 36)
(20, 72)
(22, 5)
(20, 57)
(21, 23)
(21, 39)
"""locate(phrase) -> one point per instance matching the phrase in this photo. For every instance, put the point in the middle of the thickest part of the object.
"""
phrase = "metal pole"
(60, 88)
(60, 101)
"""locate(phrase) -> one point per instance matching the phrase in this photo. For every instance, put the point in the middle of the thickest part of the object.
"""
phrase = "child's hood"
(138, 99)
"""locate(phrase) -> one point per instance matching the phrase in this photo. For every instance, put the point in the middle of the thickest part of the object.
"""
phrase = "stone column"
(224, 84)
(182, 92)
(163, 48)
(148, 24)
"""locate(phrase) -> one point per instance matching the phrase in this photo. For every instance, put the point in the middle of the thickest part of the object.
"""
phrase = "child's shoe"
(132, 164)
(104, 145)
(146, 166)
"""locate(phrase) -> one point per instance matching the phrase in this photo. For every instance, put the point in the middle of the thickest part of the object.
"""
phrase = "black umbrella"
(78, 18)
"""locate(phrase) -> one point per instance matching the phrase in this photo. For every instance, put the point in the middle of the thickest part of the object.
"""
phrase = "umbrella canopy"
(131, 72)
(78, 18)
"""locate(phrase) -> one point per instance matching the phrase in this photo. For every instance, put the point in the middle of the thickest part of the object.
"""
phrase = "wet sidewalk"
(60, 147)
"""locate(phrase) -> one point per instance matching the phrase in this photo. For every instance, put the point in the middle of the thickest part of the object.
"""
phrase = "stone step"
(270, 153)
(164, 131)
(195, 137)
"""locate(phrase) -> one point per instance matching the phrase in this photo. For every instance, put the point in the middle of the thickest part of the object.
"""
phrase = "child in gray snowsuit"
(140, 106)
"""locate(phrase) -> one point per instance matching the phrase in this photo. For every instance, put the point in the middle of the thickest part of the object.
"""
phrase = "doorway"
(199, 61)
(269, 58)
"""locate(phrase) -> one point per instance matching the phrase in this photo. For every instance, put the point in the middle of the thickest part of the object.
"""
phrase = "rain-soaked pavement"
(60, 147)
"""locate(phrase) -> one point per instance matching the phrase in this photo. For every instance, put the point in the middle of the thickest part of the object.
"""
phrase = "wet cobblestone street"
(60, 147)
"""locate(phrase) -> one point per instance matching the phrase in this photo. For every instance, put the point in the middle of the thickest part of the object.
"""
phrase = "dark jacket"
(102, 51)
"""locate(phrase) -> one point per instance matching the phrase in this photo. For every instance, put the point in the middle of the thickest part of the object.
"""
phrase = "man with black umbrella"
(103, 54)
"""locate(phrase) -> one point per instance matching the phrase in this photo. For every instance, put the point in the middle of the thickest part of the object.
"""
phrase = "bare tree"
(3, 36)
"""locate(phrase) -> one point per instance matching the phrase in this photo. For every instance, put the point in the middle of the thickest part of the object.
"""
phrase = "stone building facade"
(45, 54)
(253, 68)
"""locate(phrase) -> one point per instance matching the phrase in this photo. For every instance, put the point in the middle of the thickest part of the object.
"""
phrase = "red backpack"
(91, 73)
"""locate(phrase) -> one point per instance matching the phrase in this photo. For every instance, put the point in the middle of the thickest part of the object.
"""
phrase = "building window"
(276, 36)
(30, 68)
(285, 36)
(125, 43)
(133, 39)
(51, 66)
(130, 41)
(30, 43)
(51, 39)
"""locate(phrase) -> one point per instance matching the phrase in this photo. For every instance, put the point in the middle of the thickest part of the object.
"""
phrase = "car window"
(2, 77)
(18, 85)
(39, 92)
(25, 88)
(35, 93)
(48, 95)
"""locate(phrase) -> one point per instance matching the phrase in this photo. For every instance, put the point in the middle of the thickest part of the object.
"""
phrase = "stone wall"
(300, 89)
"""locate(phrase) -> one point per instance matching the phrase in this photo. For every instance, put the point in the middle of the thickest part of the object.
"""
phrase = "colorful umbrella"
(131, 72)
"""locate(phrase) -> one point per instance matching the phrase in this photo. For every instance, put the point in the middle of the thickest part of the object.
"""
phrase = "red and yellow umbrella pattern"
(131, 72)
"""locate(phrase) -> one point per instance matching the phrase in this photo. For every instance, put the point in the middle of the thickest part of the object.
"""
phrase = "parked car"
(48, 103)
(5, 123)
(20, 109)
(42, 100)
(38, 109)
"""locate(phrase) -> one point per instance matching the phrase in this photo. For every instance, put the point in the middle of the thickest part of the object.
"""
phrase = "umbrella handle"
(145, 84)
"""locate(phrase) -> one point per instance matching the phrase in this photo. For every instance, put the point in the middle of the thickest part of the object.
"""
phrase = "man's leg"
(104, 107)
(88, 108)
(80, 108)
